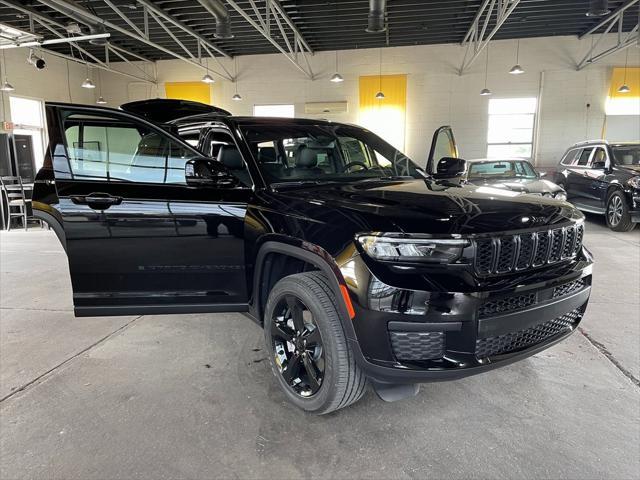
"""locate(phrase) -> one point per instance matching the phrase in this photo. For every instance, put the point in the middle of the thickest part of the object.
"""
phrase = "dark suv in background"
(604, 178)
(360, 266)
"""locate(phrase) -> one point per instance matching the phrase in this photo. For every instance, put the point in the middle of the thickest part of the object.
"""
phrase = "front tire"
(617, 213)
(309, 353)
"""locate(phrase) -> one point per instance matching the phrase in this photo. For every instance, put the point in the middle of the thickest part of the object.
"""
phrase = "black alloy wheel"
(617, 213)
(297, 346)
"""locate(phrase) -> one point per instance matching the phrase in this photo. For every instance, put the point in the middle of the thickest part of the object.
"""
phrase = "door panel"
(596, 186)
(577, 181)
(159, 245)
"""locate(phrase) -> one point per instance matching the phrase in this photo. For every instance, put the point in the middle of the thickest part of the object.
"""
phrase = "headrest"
(230, 157)
(267, 155)
(306, 157)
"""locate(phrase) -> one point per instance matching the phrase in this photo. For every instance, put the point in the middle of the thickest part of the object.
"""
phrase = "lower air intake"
(510, 342)
(417, 345)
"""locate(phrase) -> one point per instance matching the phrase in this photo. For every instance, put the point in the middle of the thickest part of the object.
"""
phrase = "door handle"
(98, 201)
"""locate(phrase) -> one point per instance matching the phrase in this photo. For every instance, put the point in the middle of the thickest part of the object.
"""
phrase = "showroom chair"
(15, 199)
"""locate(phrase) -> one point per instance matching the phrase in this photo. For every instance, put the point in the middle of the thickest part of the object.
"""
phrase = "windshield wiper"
(301, 183)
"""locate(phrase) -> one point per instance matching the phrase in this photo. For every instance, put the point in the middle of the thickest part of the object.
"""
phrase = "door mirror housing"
(203, 171)
(450, 167)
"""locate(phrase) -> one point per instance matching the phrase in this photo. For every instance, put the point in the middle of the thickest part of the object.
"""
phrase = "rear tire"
(617, 213)
(335, 381)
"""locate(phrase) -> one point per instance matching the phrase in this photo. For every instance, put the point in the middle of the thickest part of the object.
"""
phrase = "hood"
(523, 185)
(632, 169)
(422, 206)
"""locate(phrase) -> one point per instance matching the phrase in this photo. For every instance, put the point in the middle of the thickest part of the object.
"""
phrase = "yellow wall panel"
(632, 80)
(195, 91)
(386, 117)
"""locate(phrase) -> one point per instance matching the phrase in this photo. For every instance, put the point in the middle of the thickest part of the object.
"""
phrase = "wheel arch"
(311, 254)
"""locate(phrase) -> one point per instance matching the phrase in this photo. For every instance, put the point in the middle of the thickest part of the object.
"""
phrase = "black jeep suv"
(603, 178)
(361, 266)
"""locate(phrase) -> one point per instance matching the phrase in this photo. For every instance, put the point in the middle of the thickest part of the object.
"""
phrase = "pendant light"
(101, 100)
(485, 91)
(6, 86)
(236, 96)
(336, 77)
(624, 88)
(517, 69)
(380, 95)
(87, 81)
(207, 78)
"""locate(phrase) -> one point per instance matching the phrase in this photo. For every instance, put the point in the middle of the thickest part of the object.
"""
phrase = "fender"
(321, 259)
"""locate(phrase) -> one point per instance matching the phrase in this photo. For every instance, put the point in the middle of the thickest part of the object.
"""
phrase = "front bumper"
(415, 336)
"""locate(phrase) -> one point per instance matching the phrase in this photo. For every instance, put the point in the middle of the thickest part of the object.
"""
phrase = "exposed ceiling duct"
(598, 8)
(72, 10)
(376, 16)
(221, 14)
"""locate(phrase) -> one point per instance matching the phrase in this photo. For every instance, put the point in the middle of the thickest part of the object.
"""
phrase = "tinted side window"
(600, 156)
(104, 148)
(570, 157)
(584, 156)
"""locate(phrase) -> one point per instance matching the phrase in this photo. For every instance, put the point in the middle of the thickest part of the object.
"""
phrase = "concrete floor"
(192, 396)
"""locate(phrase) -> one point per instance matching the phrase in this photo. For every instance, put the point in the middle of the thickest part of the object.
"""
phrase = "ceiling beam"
(291, 50)
(477, 38)
(130, 34)
(622, 41)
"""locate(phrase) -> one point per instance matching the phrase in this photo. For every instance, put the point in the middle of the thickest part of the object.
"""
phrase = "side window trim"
(65, 112)
(572, 154)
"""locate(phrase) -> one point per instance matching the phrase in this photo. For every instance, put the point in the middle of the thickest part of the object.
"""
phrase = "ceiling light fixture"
(236, 96)
(6, 86)
(101, 100)
(485, 91)
(87, 81)
(207, 78)
(624, 88)
(380, 95)
(517, 69)
(336, 77)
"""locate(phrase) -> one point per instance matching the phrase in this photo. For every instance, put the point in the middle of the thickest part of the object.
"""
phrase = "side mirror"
(450, 167)
(202, 171)
(542, 174)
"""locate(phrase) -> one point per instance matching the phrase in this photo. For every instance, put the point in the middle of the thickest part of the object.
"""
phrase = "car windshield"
(626, 154)
(301, 154)
(501, 169)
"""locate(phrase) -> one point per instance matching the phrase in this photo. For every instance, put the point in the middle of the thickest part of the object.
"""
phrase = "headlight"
(388, 248)
(634, 182)
(560, 196)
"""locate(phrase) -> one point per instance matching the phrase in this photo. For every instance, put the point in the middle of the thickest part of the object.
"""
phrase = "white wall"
(436, 95)
(49, 84)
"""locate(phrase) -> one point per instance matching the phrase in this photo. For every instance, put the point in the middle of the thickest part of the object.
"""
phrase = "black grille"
(507, 304)
(509, 342)
(568, 288)
(417, 345)
(509, 253)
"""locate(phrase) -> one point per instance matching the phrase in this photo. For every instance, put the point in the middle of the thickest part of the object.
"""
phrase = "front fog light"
(560, 196)
(403, 249)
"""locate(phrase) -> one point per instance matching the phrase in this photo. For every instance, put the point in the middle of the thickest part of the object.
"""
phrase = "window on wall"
(27, 115)
(511, 123)
(286, 111)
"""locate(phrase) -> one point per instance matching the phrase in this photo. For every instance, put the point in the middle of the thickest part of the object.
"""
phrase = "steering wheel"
(354, 164)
